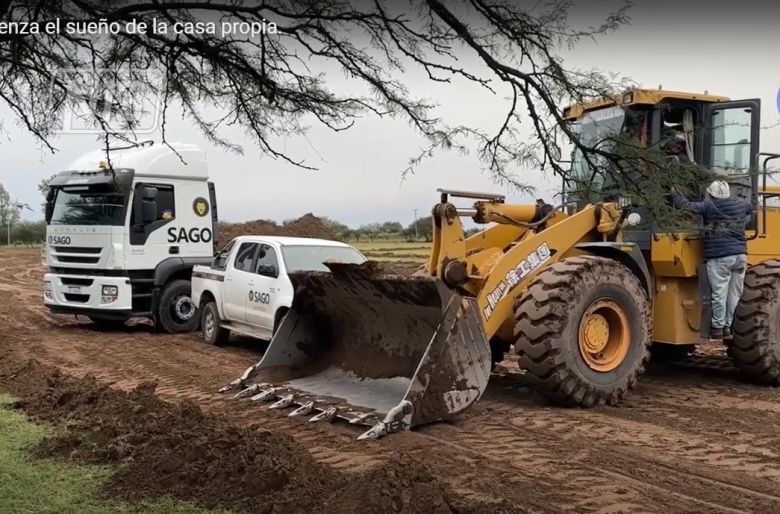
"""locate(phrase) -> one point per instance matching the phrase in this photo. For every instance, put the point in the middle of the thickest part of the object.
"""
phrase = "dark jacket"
(724, 219)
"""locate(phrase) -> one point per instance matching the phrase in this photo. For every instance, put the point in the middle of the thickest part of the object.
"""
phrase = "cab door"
(732, 132)
(264, 289)
(239, 281)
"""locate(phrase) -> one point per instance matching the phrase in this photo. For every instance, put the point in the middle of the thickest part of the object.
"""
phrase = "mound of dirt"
(160, 448)
(307, 225)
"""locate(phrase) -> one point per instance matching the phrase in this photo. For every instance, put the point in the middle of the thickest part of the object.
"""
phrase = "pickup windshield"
(311, 258)
(88, 206)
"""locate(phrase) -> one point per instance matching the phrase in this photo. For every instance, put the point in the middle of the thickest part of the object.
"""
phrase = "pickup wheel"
(176, 312)
(211, 327)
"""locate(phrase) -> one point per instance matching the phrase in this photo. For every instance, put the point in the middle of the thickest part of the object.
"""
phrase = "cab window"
(220, 261)
(245, 256)
(267, 263)
(731, 139)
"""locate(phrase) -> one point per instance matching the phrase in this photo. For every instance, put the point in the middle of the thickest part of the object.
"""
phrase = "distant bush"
(24, 233)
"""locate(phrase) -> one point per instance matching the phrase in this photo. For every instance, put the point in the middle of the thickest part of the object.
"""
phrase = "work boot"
(727, 333)
(716, 334)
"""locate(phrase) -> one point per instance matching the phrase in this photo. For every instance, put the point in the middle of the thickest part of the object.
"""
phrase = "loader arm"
(496, 265)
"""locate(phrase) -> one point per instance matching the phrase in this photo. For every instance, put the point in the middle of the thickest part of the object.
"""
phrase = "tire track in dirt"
(688, 440)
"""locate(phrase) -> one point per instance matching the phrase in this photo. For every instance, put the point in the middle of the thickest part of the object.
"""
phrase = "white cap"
(719, 189)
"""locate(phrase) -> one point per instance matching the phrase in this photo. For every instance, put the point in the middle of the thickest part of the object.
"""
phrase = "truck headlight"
(47, 290)
(109, 294)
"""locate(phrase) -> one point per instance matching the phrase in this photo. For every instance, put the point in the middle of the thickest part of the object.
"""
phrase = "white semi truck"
(125, 228)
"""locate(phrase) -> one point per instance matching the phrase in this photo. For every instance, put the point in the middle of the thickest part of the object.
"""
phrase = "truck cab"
(124, 229)
(247, 288)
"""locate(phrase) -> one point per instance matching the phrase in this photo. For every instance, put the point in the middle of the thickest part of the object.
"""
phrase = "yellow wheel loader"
(580, 292)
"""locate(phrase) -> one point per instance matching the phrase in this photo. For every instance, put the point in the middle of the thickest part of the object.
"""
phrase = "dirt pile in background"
(160, 448)
(307, 225)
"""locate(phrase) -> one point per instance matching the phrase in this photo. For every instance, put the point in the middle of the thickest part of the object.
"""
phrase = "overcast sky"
(727, 49)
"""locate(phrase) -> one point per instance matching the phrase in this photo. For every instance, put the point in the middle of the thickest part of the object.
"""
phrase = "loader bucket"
(386, 351)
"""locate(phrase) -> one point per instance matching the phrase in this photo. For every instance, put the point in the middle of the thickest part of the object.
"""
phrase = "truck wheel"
(108, 323)
(755, 348)
(211, 326)
(176, 312)
(583, 331)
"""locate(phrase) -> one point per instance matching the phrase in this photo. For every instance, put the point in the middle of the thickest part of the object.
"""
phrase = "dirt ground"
(690, 439)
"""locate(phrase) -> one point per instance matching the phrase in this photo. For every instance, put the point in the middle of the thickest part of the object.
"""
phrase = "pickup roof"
(247, 290)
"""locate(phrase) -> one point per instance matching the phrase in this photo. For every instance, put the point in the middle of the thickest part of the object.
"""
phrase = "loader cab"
(701, 130)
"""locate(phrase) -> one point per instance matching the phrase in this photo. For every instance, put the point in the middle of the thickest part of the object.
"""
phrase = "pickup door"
(263, 288)
(238, 281)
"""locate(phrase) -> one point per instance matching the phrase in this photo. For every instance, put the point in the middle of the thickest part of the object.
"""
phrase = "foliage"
(24, 233)
(9, 211)
(280, 80)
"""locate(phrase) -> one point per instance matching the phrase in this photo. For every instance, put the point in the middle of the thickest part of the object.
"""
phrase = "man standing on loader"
(725, 249)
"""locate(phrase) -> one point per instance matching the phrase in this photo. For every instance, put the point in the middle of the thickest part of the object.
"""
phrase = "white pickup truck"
(246, 290)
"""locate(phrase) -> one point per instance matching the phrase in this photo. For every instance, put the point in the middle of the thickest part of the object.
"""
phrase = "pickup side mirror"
(268, 271)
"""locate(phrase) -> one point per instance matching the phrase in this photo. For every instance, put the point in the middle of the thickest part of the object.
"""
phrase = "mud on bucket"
(381, 350)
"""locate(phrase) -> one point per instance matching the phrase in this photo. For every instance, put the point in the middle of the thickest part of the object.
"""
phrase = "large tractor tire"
(583, 330)
(755, 348)
(176, 312)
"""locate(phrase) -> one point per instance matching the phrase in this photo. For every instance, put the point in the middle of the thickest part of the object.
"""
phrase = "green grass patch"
(32, 485)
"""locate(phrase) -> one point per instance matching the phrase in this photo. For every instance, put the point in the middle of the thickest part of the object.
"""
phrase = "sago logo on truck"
(193, 235)
(259, 297)
(58, 240)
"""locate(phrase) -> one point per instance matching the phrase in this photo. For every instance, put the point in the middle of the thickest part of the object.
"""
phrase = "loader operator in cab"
(725, 249)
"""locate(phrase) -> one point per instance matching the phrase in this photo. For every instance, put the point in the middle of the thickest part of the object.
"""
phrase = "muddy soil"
(691, 438)
(160, 448)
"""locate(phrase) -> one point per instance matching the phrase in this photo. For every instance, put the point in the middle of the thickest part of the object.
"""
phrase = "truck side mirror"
(149, 193)
(145, 206)
(48, 209)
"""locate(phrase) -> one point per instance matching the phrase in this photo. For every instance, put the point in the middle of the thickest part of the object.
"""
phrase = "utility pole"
(17, 206)
(415, 224)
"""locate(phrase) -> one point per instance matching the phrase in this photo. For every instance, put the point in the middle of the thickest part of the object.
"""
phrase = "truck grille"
(77, 249)
(77, 298)
(76, 254)
(75, 281)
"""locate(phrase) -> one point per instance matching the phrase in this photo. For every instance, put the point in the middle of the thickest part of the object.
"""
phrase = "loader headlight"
(109, 294)
(47, 290)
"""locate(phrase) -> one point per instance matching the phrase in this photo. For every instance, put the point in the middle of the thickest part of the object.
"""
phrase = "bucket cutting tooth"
(359, 420)
(233, 386)
(326, 415)
(283, 402)
(375, 432)
(303, 410)
(268, 394)
(251, 390)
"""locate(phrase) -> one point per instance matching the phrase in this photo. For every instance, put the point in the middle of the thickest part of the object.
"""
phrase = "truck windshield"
(88, 206)
(311, 258)
(595, 129)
